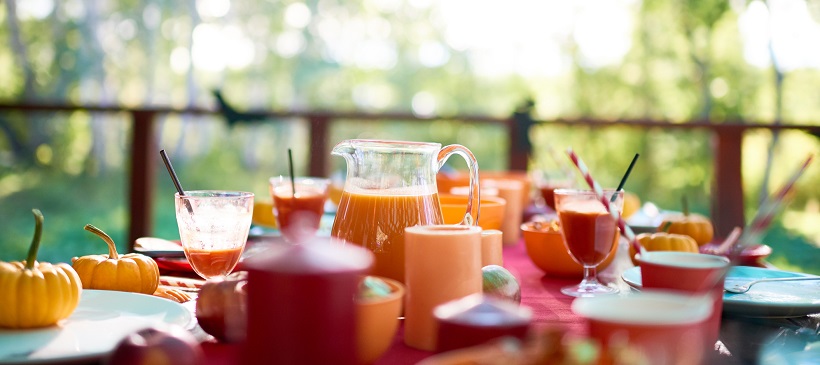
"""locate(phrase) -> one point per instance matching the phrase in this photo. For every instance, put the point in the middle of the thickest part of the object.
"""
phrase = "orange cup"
(511, 191)
(447, 181)
(665, 327)
(490, 210)
(442, 263)
(377, 322)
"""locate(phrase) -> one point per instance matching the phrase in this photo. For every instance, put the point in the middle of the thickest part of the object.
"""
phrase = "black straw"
(175, 179)
(290, 169)
(623, 179)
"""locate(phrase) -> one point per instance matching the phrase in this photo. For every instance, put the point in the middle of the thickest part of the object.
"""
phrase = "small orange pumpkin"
(132, 272)
(632, 204)
(37, 294)
(693, 225)
(662, 241)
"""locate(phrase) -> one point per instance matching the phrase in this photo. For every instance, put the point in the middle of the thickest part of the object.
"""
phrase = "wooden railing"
(727, 209)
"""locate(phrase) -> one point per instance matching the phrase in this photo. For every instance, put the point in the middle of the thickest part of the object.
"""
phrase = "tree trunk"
(20, 49)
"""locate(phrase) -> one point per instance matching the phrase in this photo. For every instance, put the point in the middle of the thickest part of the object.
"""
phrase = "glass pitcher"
(391, 185)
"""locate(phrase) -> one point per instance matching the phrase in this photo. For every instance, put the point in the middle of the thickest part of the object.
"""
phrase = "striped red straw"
(599, 192)
(769, 208)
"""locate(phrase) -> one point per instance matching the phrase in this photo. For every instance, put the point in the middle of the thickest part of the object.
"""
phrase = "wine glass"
(589, 233)
(213, 227)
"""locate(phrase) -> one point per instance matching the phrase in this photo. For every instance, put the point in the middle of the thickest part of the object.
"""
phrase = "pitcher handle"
(474, 194)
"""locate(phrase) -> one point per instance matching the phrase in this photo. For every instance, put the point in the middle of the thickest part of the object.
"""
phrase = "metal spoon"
(742, 288)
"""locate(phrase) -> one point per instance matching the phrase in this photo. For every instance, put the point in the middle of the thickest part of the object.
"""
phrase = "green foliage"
(685, 62)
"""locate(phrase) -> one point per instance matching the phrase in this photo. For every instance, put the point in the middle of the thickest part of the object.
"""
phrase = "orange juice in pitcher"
(387, 215)
(391, 185)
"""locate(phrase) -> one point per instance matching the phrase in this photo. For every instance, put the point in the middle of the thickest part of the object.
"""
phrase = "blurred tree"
(698, 20)
(680, 60)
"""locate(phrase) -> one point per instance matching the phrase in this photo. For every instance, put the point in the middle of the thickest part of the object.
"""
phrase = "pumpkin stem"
(112, 248)
(666, 226)
(35, 241)
(685, 205)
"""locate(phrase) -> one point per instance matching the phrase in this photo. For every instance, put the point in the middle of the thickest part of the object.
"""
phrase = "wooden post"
(317, 140)
(144, 154)
(727, 188)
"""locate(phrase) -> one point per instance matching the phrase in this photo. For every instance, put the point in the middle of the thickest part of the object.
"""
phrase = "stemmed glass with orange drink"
(589, 233)
(213, 227)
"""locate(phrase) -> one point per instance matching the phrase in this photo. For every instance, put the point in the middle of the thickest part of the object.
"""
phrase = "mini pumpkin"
(662, 241)
(632, 204)
(693, 225)
(37, 294)
(132, 272)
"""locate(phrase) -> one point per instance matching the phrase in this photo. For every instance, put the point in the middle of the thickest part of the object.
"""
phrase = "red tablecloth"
(538, 292)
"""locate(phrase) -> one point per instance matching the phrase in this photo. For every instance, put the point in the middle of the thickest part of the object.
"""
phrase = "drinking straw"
(175, 179)
(769, 208)
(290, 170)
(599, 192)
(623, 179)
(729, 242)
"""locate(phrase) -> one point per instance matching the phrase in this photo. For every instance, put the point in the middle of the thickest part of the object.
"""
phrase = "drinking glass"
(298, 212)
(547, 181)
(589, 233)
(213, 227)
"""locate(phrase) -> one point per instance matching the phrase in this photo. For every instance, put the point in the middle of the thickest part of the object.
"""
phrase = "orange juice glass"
(298, 213)
(589, 233)
(213, 263)
(213, 228)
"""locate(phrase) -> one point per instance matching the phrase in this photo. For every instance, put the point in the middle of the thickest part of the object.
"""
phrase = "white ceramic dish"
(772, 299)
(101, 320)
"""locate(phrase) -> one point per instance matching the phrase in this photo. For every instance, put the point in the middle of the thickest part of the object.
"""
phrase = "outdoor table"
(742, 337)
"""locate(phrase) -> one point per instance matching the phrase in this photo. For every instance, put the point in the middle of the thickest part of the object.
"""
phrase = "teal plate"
(772, 299)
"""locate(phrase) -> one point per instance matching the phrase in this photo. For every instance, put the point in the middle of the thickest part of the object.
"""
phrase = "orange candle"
(491, 248)
(443, 263)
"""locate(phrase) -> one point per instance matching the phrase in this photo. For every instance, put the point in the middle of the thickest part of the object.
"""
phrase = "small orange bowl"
(446, 182)
(490, 211)
(377, 322)
(547, 251)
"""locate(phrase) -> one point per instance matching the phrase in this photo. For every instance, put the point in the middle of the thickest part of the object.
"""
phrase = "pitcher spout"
(343, 148)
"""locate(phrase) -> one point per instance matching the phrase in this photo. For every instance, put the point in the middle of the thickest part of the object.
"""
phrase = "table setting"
(412, 265)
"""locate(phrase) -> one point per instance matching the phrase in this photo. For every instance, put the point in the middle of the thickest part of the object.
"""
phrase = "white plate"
(773, 299)
(101, 320)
